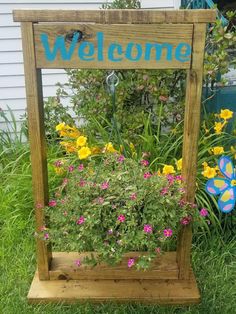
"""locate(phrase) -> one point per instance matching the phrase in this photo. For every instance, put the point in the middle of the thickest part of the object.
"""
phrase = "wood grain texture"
(116, 16)
(63, 267)
(145, 291)
(33, 83)
(121, 34)
(190, 144)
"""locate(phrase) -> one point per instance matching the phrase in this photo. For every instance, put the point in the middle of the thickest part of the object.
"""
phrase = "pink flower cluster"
(147, 228)
(144, 162)
(168, 232)
(81, 220)
(147, 175)
(131, 262)
(121, 218)
(105, 185)
(52, 203)
(203, 212)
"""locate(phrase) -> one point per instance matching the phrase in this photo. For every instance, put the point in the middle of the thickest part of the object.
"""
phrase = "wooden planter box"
(70, 283)
(170, 280)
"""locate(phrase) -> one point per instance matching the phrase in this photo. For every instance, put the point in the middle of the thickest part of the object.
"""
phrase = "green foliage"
(108, 207)
(122, 4)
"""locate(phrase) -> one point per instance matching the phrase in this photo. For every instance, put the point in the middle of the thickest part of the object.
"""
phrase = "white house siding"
(12, 85)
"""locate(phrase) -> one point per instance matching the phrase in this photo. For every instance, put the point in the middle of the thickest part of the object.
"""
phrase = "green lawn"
(214, 261)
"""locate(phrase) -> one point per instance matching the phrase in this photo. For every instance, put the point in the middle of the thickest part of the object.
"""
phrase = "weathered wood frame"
(35, 18)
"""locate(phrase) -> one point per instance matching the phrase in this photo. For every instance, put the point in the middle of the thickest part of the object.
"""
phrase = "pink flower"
(121, 218)
(52, 203)
(168, 232)
(185, 221)
(164, 191)
(71, 168)
(203, 212)
(144, 162)
(82, 182)
(105, 185)
(78, 263)
(131, 262)
(121, 158)
(182, 202)
(58, 163)
(147, 228)
(147, 175)
(110, 231)
(158, 250)
(81, 167)
(170, 178)
(81, 220)
(43, 228)
(65, 181)
(179, 178)
(133, 196)
(46, 236)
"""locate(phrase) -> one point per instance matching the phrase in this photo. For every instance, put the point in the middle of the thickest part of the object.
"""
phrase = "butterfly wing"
(226, 167)
(216, 186)
(227, 200)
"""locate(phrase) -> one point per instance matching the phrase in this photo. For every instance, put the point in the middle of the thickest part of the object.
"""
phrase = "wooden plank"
(96, 291)
(33, 82)
(116, 16)
(63, 267)
(190, 144)
(163, 56)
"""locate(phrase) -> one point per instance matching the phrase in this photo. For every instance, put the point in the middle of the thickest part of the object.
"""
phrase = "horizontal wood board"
(63, 266)
(116, 16)
(121, 34)
(173, 292)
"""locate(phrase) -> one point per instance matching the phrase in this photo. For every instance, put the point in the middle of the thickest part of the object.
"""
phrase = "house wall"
(12, 85)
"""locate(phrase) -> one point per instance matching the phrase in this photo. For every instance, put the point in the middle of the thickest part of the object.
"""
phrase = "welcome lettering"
(115, 53)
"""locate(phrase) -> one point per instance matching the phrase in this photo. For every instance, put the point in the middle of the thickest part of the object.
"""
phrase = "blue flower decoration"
(225, 187)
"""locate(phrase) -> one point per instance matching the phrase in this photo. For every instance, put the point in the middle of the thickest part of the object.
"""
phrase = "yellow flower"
(168, 169)
(179, 164)
(226, 114)
(81, 141)
(217, 150)
(218, 127)
(205, 164)
(84, 153)
(209, 172)
(59, 170)
(61, 126)
(73, 132)
(95, 150)
(109, 148)
(69, 147)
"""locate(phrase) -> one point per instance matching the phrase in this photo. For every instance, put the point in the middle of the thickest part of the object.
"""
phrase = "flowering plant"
(116, 207)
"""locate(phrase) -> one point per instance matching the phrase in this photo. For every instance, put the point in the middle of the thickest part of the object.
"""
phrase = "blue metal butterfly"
(226, 187)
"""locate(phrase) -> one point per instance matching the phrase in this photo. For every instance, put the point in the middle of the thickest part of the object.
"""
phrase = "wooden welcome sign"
(113, 39)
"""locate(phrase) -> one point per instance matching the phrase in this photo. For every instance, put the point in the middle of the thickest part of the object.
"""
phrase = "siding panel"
(12, 86)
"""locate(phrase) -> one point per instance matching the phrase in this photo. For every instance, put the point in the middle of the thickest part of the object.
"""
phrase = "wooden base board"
(142, 291)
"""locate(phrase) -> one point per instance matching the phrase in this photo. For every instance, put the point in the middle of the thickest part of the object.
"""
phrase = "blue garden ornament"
(226, 186)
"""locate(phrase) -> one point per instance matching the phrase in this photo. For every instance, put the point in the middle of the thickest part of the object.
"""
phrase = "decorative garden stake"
(224, 186)
(114, 39)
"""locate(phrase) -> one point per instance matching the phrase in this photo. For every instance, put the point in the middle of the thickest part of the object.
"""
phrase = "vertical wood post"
(190, 144)
(34, 95)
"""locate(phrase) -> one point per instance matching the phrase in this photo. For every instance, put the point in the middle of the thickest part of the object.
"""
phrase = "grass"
(214, 260)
